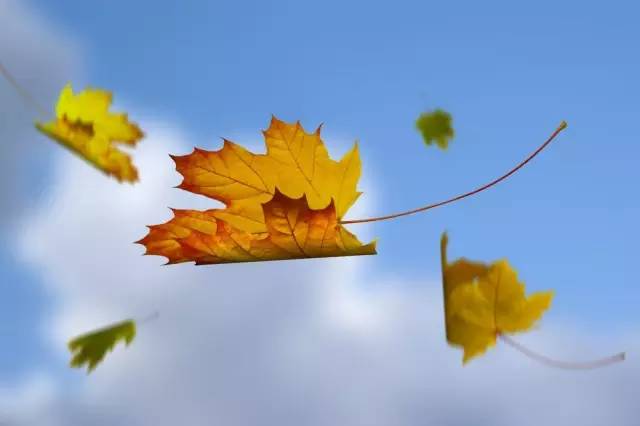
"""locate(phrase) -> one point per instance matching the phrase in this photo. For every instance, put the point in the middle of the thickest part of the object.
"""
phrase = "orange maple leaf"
(296, 162)
(285, 204)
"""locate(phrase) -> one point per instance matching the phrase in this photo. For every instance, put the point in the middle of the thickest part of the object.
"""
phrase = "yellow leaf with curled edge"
(84, 125)
(483, 301)
(90, 349)
(285, 204)
(294, 231)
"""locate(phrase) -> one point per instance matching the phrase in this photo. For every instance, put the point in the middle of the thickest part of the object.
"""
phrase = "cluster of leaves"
(285, 204)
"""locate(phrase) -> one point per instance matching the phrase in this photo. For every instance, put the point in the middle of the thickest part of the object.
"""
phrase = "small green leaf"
(436, 127)
(91, 348)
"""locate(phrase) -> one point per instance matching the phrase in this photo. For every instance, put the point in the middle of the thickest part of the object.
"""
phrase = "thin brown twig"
(588, 365)
(561, 127)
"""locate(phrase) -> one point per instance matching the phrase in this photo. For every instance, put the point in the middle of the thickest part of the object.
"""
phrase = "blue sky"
(509, 72)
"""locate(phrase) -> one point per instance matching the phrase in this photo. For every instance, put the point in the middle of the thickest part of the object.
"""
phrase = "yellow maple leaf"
(285, 204)
(296, 162)
(483, 301)
(84, 125)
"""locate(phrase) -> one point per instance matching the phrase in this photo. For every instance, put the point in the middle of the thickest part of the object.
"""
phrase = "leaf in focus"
(296, 162)
(285, 204)
(84, 125)
(90, 349)
(435, 127)
(483, 301)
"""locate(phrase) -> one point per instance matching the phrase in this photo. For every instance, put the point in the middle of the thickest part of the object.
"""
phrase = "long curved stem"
(561, 127)
(588, 365)
(24, 93)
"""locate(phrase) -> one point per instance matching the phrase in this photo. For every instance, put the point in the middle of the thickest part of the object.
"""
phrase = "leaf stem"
(561, 127)
(24, 93)
(151, 317)
(588, 365)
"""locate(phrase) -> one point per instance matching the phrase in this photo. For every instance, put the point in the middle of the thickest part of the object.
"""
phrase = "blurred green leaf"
(91, 348)
(436, 127)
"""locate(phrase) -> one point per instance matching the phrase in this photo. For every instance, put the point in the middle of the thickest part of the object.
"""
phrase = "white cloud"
(25, 402)
(42, 60)
(318, 342)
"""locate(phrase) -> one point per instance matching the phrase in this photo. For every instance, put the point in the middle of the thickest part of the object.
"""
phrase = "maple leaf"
(483, 302)
(435, 127)
(296, 162)
(285, 204)
(90, 349)
(84, 125)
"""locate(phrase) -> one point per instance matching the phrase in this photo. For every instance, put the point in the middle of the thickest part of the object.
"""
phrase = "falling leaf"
(84, 125)
(296, 162)
(285, 204)
(483, 302)
(91, 348)
(435, 127)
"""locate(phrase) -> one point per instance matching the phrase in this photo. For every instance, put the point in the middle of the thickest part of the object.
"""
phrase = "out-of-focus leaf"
(484, 301)
(90, 349)
(84, 125)
(436, 127)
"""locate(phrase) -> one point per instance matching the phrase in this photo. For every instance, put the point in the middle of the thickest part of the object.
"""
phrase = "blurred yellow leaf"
(483, 301)
(84, 125)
